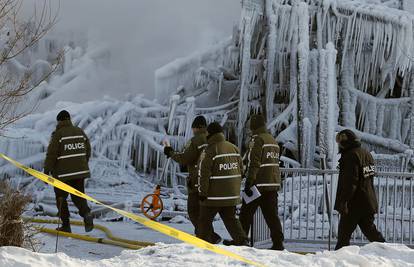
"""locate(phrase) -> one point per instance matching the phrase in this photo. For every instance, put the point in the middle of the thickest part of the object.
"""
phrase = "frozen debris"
(179, 219)
(181, 72)
(367, 45)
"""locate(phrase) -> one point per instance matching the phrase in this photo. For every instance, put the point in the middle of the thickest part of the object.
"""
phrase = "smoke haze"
(144, 35)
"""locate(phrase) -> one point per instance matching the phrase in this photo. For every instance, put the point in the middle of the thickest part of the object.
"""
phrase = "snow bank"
(185, 255)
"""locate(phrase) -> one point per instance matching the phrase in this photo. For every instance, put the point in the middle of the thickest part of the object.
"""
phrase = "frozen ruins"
(312, 67)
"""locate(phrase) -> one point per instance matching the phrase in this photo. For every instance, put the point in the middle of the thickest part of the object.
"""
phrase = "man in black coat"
(356, 200)
(67, 160)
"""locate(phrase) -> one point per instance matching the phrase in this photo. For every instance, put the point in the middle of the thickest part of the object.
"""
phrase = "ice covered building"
(312, 67)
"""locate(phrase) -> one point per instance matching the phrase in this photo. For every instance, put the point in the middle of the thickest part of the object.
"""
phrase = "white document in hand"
(256, 195)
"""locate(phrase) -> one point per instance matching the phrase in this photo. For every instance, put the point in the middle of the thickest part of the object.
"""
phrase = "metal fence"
(306, 209)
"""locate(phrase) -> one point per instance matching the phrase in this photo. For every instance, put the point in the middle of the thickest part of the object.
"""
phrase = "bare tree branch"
(17, 37)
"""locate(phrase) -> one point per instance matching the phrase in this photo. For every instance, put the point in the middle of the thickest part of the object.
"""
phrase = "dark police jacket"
(220, 173)
(190, 157)
(263, 161)
(68, 153)
(355, 183)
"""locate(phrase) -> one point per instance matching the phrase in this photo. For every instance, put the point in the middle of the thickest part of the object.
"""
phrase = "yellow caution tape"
(167, 230)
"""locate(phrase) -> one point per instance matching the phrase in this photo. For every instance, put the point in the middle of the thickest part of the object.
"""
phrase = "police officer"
(189, 157)
(220, 173)
(67, 159)
(263, 172)
(355, 197)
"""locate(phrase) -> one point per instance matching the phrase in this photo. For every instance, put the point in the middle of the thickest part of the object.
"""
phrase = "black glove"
(248, 191)
(202, 198)
(343, 209)
(168, 151)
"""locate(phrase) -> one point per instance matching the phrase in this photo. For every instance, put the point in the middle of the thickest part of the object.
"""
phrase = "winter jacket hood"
(220, 173)
(215, 138)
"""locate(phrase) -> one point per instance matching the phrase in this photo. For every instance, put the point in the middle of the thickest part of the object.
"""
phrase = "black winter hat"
(214, 128)
(257, 121)
(199, 122)
(347, 139)
(63, 115)
(347, 135)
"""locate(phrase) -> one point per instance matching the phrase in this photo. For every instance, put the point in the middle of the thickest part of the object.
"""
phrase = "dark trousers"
(62, 204)
(268, 204)
(193, 210)
(348, 224)
(228, 215)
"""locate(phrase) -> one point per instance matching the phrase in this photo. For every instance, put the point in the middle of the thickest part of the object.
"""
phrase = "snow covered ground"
(186, 255)
(133, 231)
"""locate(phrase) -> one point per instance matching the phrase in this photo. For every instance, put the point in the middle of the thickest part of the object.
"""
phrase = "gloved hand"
(343, 209)
(202, 198)
(247, 190)
(168, 151)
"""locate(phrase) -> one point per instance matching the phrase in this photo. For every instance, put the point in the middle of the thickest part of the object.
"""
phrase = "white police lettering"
(74, 146)
(229, 166)
(368, 171)
(272, 155)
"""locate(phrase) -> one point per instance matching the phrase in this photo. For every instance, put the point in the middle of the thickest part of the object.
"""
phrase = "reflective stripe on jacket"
(68, 153)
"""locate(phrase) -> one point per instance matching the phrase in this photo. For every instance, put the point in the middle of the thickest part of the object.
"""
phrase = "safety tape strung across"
(167, 230)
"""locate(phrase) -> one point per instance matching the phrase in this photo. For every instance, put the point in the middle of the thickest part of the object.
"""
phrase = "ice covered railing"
(388, 118)
(393, 162)
(303, 205)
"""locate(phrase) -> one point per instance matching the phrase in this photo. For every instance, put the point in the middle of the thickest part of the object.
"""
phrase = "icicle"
(380, 120)
(248, 26)
(271, 57)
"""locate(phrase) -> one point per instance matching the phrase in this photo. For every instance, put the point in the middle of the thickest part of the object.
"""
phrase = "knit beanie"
(257, 121)
(214, 128)
(63, 115)
(199, 122)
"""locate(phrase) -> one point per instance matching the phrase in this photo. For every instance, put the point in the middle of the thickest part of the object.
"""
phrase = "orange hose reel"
(152, 205)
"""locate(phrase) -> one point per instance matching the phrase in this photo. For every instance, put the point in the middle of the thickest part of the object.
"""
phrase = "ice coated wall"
(143, 35)
(408, 5)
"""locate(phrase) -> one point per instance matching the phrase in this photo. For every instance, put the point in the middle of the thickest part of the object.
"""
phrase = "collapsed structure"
(312, 67)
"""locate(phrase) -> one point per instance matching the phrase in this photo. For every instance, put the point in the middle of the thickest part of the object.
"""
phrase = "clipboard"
(256, 195)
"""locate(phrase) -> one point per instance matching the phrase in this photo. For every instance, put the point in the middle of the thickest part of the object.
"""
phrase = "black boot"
(216, 239)
(64, 228)
(277, 247)
(227, 242)
(88, 220)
